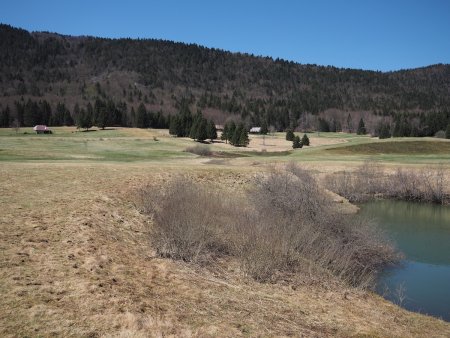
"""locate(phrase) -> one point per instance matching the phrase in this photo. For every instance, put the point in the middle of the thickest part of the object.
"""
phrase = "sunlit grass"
(131, 144)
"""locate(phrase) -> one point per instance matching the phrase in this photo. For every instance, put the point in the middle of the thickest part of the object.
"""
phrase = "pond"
(422, 232)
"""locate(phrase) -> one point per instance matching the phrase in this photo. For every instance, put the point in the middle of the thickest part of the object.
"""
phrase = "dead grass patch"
(75, 261)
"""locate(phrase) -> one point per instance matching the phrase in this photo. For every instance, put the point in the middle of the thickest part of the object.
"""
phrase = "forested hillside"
(54, 79)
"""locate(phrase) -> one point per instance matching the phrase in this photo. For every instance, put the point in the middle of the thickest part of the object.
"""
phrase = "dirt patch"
(258, 143)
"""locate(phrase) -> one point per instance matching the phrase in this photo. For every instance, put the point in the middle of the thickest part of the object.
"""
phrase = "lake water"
(422, 232)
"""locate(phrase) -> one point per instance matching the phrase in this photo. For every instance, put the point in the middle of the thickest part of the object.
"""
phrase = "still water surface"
(422, 232)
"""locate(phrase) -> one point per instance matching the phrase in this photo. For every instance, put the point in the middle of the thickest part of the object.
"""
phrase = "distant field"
(423, 147)
(67, 144)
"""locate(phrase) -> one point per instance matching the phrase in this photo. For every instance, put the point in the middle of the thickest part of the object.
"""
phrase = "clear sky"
(367, 34)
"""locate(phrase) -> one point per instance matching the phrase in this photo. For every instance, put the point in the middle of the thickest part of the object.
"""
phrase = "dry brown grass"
(75, 261)
(278, 143)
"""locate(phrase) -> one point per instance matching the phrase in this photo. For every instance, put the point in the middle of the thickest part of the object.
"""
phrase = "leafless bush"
(300, 220)
(370, 180)
(282, 224)
(199, 149)
(186, 220)
(440, 134)
(424, 185)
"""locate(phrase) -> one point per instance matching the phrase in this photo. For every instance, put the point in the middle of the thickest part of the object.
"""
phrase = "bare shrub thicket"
(283, 224)
(303, 224)
(370, 180)
(186, 219)
(199, 149)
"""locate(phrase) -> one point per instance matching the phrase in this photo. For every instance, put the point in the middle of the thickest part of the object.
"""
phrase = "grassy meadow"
(67, 144)
(76, 259)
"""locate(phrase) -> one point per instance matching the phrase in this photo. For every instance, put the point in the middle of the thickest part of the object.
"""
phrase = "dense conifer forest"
(47, 78)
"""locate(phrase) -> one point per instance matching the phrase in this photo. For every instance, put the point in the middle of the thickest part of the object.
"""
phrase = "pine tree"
(88, 118)
(237, 135)
(5, 117)
(384, 131)
(264, 128)
(349, 123)
(101, 114)
(231, 131)
(68, 120)
(290, 135)
(212, 131)
(195, 125)
(224, 136)
(361, 128)
(447, 131)
(305, 140)
(243, 139)
(297, 143)
(202, 132)
(85, 120)
(173, 125)
(133, 117)
(141, 118)
(76, 113)
(323, 125)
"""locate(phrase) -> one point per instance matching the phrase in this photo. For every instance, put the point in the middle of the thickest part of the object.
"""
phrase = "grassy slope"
(75, 257)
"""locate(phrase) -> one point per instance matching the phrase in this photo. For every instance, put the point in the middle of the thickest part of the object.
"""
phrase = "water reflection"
(422, 232)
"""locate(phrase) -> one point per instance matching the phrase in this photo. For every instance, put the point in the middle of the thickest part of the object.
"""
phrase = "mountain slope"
(163, 74)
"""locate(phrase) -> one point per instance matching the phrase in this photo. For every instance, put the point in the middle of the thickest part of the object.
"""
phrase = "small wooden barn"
(42, 129)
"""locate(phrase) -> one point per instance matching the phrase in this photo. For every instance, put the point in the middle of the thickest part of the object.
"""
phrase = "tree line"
(254, 90)
(100, 113)
(197, 127)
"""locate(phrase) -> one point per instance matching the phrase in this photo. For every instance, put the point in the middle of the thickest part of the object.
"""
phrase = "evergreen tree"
(185, 120)
(31, 115)
(46, 112)
(68, 120)
(323, 125)
(76, 114)
(361, 128)
(237, 135)
(349, 123)
(101, 114)
(202, 130)
(290, 135)
(212, 131)
(5, 117)
(447, 131)
(133, 117)
(224, 136)
(264, 128)
(384, 131)
(305, 140)
(88, 119)
(195, 125)
(85, 121)
(243, 138)
(141, 117)
(173, 125)
(231, 131)
(296, 142)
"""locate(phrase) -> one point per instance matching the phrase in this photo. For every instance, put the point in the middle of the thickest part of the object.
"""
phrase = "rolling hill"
(164, 75)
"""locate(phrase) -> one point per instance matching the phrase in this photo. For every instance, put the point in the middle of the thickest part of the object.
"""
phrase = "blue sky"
(367, 34)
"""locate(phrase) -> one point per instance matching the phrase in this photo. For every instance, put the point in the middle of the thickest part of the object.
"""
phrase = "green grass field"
(131, 145)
